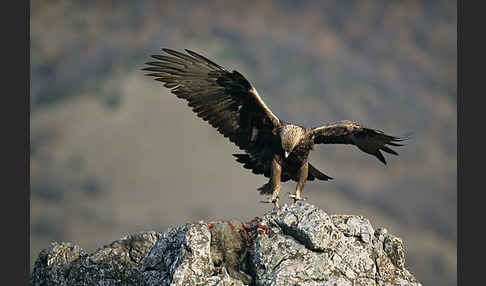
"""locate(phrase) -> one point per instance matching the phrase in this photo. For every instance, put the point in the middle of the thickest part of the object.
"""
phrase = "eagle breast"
(291, 135)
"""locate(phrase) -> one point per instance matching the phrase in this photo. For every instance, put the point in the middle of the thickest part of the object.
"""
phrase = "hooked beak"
(286, 154)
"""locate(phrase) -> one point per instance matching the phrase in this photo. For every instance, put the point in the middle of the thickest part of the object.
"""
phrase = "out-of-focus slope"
(111, 150)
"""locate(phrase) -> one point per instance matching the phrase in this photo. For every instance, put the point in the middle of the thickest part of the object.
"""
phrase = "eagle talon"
(271, 201)
(297, 198)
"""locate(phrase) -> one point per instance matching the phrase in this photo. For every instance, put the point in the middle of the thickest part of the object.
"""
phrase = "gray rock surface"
(292, 245)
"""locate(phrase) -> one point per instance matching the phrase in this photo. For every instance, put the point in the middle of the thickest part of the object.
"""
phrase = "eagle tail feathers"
(266, 189)
(318, 174)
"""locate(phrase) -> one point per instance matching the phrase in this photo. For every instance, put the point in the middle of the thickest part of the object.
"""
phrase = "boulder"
(291, 245)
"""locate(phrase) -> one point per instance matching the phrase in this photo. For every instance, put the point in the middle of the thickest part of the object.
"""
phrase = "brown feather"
(229, 103)
(367, 140)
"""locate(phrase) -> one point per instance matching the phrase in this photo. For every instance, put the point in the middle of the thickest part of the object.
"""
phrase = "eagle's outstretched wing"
(225, 99)
(367, 140)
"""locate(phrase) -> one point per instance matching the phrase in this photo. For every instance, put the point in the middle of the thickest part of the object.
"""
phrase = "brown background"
(112, 152)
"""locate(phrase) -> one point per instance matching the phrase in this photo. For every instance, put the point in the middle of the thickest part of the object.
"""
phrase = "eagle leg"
(274, 182)
(303, 173)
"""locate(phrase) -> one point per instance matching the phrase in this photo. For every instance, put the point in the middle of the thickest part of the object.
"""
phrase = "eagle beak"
(286, 154)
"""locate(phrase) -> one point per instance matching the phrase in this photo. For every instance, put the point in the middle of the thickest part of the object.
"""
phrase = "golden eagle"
(277, 149)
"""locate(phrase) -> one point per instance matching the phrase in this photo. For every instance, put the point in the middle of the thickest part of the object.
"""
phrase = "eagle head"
(290, 137)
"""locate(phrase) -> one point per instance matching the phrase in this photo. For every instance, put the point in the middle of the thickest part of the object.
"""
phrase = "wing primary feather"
(198, 56)
(165, 68)
(169, 59)
(388, 150)
(179, 55)
(171, 84)
(380, 156)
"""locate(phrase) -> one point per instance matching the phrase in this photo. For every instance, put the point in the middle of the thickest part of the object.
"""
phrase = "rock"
(53, 265)
(306, 246)
(292, 245)
(183, 256)
(114, 264)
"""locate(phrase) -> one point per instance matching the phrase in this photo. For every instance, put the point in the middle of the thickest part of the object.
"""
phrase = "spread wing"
(224, 99)
(367, 140)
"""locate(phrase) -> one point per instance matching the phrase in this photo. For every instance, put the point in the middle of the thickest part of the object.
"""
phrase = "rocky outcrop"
(292, 245)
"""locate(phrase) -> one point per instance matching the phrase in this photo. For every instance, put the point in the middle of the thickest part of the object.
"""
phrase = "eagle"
(272, 147)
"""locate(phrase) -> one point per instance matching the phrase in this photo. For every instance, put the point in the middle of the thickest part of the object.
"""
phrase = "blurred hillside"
(113, 152)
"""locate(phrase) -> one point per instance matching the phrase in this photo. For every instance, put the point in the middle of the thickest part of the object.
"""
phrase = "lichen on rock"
(307, 246)
(291, 245)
